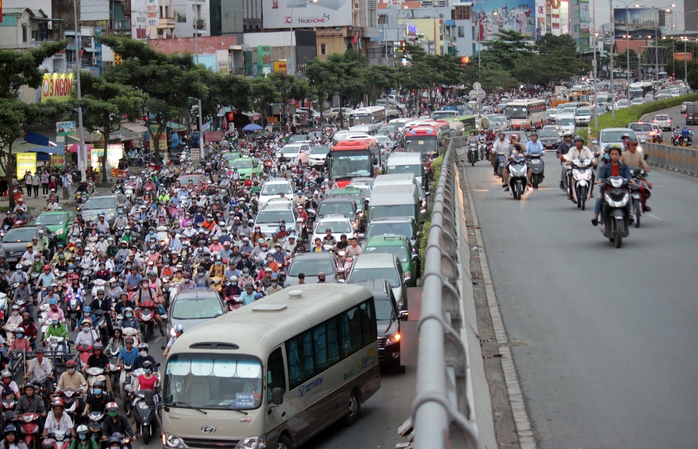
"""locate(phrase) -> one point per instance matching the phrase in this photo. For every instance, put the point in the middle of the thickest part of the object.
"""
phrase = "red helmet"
(515, 136)
(47, 267)
(57, 403)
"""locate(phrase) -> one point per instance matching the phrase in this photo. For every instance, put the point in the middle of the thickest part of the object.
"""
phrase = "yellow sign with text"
(25, 162)
(56, 86)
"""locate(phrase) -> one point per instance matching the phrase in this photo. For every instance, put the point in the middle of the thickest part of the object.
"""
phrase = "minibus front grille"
(210, 443)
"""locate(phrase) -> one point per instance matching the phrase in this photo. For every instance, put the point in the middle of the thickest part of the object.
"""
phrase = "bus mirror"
(375, 160)
(277, 396)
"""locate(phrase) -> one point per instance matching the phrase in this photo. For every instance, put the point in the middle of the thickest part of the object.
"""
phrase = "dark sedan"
(310, 264)
(16, 240)
(550, 139)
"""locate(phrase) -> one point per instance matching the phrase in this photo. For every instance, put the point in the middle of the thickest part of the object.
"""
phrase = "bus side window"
(369, 332)
(275, 373)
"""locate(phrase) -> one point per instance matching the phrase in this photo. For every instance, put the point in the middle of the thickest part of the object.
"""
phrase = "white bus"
(273, 373)
(523, 114)
(367, 116)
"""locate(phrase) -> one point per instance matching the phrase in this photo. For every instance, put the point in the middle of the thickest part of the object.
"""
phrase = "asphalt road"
(678, 119)
(603, 338)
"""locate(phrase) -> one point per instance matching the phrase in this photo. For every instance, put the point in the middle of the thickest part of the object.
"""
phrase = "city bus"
(367, 116)
(354, 158)
(639, 89)
(524, 114)
(273, 373)
(427, 138)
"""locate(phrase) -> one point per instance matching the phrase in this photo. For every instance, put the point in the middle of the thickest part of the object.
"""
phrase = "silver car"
(381, 266)
(664, 121)
(194, 307)
(614, 135)
(109, 204)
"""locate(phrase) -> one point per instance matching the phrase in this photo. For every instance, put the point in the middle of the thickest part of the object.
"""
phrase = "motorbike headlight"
(170, 440)
(258, 442)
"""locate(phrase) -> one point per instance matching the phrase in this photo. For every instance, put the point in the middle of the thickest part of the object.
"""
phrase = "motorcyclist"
(82, 441)
(579, 151)
(500, 146)
(562, 150)
(40, 369)
(633, 158)
(142, 356)
(31, 403)
(11, 441)
(514, 148)
(8, 387)
(97, 400)
(88, 336)
(99, 359)
(58, 419)
(116, 423)
(71, 378)
(533, 148)
(146, 293)
(614, 168)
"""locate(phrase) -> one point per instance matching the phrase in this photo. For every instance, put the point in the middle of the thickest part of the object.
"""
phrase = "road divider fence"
(681, 159)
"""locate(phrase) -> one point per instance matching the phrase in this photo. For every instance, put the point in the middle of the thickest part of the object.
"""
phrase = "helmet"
(47, 267)
(28, 385)
(178, 328)
(614, 146)
(515, 136)
(98, 384)
(147, 365)
(534, 133)
(97, 346)
(100, 291)
(87, 309)
(57, 403)
(82, 429)
(115, 438)
(578, 137)
(10, 428)
(129, 340)
(70, 364)
(111, 407)
(567, 134)
(143, 346)
(18, 330)
(5, 374)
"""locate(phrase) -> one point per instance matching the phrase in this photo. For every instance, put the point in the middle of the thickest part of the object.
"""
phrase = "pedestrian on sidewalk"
(44, 183)
(28, 183)
(66, 182)
(36, 180)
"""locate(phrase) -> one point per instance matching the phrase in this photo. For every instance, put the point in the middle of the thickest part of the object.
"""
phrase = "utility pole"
(201, 126)
(613, 90)
(82, 153)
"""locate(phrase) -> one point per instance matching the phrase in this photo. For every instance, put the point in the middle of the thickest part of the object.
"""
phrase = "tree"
(168, 81)
(378, 78)
(264, 94)
(225, 90)
(105, 104)
(693, 79)
(18, 69)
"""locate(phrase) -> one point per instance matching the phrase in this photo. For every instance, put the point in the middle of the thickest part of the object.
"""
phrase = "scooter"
(73, 308)
(637, 191)
(8, 409)
(95, 425)
(483, 150)
(615, 213)
(147, 319)
(472, 154)
(537, 166)
(29, 428)
(56, 439)
(582, 176)
(517, 175)
(145, 406)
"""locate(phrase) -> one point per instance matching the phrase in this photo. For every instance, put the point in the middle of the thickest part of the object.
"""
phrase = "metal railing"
(681, 159)
(441, 413)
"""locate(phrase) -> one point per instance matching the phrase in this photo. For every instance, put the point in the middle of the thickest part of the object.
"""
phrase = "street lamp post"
(82, 154)
(613, 89)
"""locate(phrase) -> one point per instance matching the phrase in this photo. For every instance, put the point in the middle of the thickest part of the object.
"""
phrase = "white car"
(318, 156)
(339, 224)
(295, 154)
(273, 188)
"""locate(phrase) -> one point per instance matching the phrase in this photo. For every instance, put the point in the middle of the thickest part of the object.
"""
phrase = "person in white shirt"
(58, 419)
(500, 146)
(579, 151)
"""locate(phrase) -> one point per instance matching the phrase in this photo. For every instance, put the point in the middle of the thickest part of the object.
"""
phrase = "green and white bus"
(273, 373)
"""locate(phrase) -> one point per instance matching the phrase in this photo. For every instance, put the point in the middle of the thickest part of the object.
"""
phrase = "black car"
(550, 139)
(388, 317)
(16, 240)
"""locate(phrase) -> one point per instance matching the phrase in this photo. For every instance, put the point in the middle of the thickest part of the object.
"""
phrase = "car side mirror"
(415, 256)
(646, 156)
(277, 396)
(403, 315)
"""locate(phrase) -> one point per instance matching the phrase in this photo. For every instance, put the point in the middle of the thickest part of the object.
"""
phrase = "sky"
(603, 10)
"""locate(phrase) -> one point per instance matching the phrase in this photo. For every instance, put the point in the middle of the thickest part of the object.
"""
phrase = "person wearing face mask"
(142, 356)
(57, 329)
(275, 286)
(71, 378)
(87, 336)
(127, 356)
(20, 343)
(116, 423)
(97, 400)
(15, 319)
(54, 309)
(82, 441)
(30, 331)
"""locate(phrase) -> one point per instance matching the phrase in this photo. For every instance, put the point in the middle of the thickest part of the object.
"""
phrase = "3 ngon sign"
(56, 86)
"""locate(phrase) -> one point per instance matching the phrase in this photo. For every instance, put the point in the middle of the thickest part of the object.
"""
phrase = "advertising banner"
(636, 22)
(264, 59)
(151, 13)
(280, 66)
(56, 86)
(57, 161)
(93, 10)
(65, 128)
(163, 138)
(98, 46)
(303, 14)
(115, 151)
(495, 15)
(25, 162)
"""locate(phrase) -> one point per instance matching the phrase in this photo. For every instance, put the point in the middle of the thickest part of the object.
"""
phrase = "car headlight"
(170, 440)
(395, 338)
(59, 232)
(258, 442)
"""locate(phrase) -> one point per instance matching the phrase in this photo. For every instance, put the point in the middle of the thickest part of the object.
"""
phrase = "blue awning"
(450, 23)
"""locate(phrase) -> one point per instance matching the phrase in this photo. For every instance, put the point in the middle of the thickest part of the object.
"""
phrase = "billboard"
(511, 15)
(638, 23)
(92, 10)
(56, 86)
(303, 14)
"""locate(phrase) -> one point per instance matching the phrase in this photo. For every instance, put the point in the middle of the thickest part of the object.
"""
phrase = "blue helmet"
(52, 301)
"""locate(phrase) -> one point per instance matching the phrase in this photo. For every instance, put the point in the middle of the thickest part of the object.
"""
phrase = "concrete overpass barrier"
(669, 157)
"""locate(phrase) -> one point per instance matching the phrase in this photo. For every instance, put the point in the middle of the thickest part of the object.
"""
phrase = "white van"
(566, 122)
(401, 163)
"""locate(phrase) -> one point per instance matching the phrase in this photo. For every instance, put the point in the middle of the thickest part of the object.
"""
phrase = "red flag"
(355, 39)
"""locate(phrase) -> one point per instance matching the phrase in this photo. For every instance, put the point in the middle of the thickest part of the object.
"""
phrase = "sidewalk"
(37, 205)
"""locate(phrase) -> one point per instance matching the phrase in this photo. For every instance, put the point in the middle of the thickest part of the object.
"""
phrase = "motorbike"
(8, 409)
(3, 304)
(537, 166)
(145, 405)
(615, 213)
(56, 439)
(29, 428)
(637, 190)
(582, 176)
(472, 153)
(73, 309)
(147, 319)
(93, 375)
(84, 353)
(483, 150)
(517, 175)
(95, 420)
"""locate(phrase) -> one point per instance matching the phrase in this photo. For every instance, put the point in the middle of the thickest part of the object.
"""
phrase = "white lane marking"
(524, 428)
(654, 216)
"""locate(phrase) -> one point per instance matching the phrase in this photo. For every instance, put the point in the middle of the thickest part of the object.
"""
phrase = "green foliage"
(263, 94)
(693, 79)
(634, 113)
(436, 165)
(18, 69)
